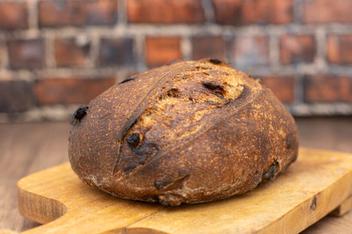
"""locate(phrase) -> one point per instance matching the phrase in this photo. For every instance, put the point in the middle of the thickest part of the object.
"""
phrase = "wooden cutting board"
(315, 185)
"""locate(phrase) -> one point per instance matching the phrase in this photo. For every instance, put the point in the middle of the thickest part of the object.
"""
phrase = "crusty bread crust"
(190, 132)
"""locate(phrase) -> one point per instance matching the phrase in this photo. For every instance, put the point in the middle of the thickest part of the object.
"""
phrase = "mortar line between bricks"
(91, 72)
(274, 51)
(49, 51)
(298, 13)
(230, 52)
(33, 16)
(305, 109)
(64, 74)
(183, 30)
(299, 89)
(140, 52)
(229, 45)
(121, 12)
(62, 112)
(321, 41)
(208, 10)
(86, 73)
(16, 75)
(94, 50)
(186, 48)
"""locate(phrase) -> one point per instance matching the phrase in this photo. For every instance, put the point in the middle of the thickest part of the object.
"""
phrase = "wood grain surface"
(310, 189)
(25, 148)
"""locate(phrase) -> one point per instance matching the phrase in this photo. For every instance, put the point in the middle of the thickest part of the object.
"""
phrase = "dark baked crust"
(190, 132)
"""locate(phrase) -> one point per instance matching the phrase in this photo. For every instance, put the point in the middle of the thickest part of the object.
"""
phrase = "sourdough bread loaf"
(190, 132)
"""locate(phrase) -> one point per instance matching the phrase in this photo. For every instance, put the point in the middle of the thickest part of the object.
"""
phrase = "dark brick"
(327, 11)
(208, 47)
(295, 49)
(250, 51)
(69, 52)
(162, 50)
(165, 12)
(282, 87)
(57, 13)
(339, 49)
(326, 88)
(240, 12)
(13, 15)
(16, 96)
(26, 53)
(70, 90)
(116, 51)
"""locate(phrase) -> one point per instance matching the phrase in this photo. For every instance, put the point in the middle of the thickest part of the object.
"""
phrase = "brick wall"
(55, 54)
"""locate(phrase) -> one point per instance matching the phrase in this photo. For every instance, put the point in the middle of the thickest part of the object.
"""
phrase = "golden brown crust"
(190, 132)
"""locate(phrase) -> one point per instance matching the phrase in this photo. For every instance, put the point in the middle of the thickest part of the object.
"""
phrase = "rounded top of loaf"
(146, 136)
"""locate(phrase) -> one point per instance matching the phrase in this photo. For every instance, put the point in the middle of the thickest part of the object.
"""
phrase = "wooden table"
(25, 148)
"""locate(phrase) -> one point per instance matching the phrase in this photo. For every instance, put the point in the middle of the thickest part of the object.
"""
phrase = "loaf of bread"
(190, 132)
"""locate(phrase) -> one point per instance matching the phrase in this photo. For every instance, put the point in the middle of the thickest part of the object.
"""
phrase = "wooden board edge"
(31, 204)
(332, 195)
(343, 208)
(38, 208)
(134, 231)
